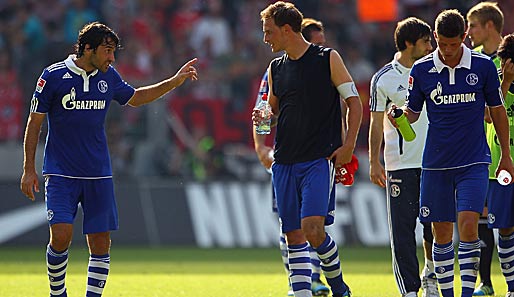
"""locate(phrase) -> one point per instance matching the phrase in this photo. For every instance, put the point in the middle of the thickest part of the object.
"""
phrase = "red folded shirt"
(345, 174)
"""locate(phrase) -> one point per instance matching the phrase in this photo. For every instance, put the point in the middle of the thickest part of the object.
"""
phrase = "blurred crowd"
(157, 37)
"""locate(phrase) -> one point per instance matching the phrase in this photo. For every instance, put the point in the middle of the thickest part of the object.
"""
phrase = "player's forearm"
(258, 139)
(147, 94)
(354, 118)
(375, 143)
(376, 135)
(30, 142)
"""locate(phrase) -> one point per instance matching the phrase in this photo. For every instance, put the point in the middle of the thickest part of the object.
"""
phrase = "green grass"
(141, 272)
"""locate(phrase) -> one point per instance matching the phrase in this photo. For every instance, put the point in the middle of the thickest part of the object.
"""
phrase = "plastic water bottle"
(264, 126)
(404, 125)
(504, 177)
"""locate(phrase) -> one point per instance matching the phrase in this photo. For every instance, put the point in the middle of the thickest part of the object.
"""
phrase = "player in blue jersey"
(455, 84)
(305, 85)
(402, 160)
(485, 24)
(75, 94)
(500, 198)
(312, 31)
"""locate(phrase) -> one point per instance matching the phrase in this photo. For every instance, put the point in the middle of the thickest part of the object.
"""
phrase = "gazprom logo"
(69, 102)
(438, 98)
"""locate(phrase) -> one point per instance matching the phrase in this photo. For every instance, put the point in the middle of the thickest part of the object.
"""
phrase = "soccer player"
(76, 94)
(402, 159)
(485, 24)
(312, 31)
(304, 89)
(500, 198)
(455, 84)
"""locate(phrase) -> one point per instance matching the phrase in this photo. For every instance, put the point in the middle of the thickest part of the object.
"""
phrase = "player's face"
(422, 47)
(103, 56)
(272, 35)
(476, 32)
(318, 37)
(450, 48)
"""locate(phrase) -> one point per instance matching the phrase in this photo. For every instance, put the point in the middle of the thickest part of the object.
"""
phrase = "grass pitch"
(141, 272)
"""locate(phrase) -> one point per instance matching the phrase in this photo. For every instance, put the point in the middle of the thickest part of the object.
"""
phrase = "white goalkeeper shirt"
(389, 85)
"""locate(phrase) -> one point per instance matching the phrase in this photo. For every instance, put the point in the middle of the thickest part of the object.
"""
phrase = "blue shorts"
(500, 205)
(96, 196)
(446, 192)
(303, 190)
(329, 219)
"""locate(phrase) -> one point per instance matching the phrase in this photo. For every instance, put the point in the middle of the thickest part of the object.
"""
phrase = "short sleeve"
(42, 96)
(122, 90)
(492, 90)
(415, 96)
(378, 96)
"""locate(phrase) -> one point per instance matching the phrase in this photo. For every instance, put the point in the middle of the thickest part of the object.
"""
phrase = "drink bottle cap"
(504, 177)
(397, 112)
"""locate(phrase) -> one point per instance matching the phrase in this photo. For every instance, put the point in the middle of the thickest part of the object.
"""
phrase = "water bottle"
(264, 126)
(403, 125)
(504, 177)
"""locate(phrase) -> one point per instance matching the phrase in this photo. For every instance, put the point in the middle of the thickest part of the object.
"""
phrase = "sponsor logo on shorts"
(424, 211)
(49, 214)
(395, 190)
(491, 218)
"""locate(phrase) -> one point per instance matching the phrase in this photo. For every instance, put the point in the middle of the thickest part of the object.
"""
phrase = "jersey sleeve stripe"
(373, 96)
(33, 104)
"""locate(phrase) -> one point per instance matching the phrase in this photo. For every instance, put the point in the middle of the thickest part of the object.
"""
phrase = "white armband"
(347, 89)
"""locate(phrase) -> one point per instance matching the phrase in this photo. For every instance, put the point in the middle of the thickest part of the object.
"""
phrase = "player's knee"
(60, 237)
(314, 234)
(99, 243)
(506, 231)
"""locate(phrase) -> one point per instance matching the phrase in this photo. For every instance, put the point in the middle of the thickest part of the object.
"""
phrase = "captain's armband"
(347, 89)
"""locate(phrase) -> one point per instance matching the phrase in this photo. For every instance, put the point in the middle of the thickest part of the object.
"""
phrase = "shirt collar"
(398, 67)
(70, 63)
(465, 60)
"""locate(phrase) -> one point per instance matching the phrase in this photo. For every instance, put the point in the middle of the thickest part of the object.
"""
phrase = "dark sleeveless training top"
(309, 123)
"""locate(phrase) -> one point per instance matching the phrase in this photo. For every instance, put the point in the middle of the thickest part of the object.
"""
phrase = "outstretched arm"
(144, 95)
(29, 179)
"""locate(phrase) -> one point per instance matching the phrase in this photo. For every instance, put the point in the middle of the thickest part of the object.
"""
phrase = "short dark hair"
(450, 23)
(310, 25)
(506, 48)
(95, 34)
(410, 29)
(284, 13)
(487, 11)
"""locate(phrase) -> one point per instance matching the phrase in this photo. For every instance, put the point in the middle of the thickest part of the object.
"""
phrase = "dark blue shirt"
(76, 105)
(455, 100)
(309, 123)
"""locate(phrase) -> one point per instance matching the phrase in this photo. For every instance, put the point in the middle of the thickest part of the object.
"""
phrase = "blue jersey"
(76, 105)
(455, 99)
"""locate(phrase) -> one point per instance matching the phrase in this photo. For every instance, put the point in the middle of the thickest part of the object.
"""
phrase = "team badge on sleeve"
(411, 82)
(40, 85)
